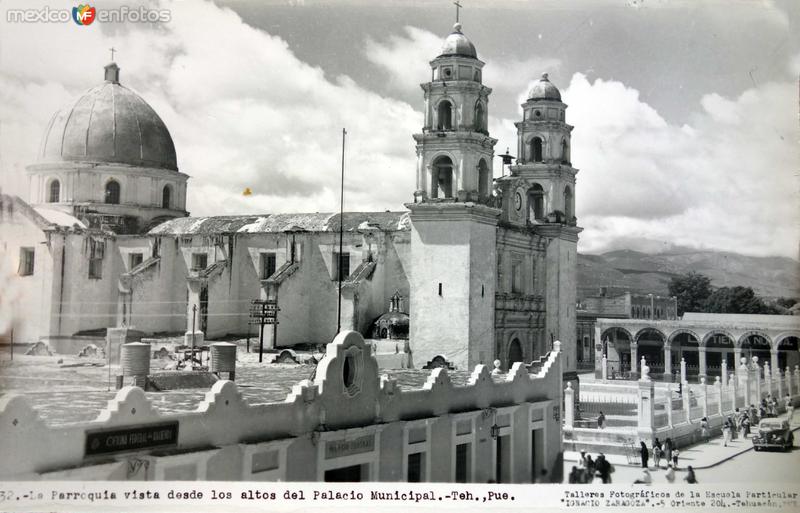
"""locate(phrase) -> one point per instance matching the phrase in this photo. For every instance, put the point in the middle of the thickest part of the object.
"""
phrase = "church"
(476, 268)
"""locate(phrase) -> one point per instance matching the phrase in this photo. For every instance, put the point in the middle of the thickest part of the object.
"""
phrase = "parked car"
(773, 433)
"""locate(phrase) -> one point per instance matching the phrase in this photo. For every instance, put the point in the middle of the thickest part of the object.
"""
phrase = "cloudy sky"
(685, 112)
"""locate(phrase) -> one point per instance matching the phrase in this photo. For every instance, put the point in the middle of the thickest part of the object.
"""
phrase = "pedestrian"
(574, 475)
(604, 467)
(745, 427)
(670, 474)
(645, 478)
(598, 478)
(645, 454)
(657, 452)
(734, 427)
(668, 449)
(601, 421)
(726, 432)
(690, 477)
(773, 407)
(787, 401)
(590, 468)
(752, 415)
(675, 454)
(703, 429)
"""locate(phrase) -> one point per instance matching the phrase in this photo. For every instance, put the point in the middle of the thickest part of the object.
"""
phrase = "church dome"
(544, 90)
(458, 44)
(109, 124)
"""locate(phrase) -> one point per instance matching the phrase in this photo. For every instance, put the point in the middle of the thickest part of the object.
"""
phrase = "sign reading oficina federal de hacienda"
(131, 438)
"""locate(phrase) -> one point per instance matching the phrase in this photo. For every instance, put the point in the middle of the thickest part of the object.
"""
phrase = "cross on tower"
(112, 52)
(458, 6)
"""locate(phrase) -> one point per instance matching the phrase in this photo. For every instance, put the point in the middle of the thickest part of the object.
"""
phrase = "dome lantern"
(112, 73)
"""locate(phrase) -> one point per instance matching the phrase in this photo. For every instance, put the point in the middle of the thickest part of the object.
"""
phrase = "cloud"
(243, 110)
(726, 181)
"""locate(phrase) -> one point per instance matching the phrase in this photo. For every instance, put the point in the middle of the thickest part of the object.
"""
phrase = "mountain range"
(639, 272)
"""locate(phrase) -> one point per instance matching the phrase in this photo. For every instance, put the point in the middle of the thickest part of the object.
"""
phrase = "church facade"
(488, 265)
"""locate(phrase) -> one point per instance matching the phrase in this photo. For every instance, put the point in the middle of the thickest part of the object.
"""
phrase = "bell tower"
(454, 150)
(453, 216)
(540, 194)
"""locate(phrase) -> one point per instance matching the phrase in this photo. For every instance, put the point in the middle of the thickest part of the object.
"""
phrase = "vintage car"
(773, 433)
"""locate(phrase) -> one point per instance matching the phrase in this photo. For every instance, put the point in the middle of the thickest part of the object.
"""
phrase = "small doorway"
(502, 469)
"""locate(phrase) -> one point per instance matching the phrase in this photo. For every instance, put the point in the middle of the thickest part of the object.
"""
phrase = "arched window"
(483, 179)
(54, 192)
(479, 115)
(564, 152)
(445, 115)
(568, 203)
(166, 197)
(536, 149)
(442, 178)
(536, 203)
(112, 192)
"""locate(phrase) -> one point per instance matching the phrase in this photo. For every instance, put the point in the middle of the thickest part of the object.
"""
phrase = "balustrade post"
(705, 396)
(569, 406)
(634, 359)
(604, 363)
(779, 383)
(683, 372)
(789, 387)
(718, 387)
(743, 379)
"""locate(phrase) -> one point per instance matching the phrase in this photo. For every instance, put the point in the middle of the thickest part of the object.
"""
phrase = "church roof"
(276, 223)
(109, 124)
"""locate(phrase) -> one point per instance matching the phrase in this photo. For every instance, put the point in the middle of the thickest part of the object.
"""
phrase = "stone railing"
(348, 395)
(680, 419)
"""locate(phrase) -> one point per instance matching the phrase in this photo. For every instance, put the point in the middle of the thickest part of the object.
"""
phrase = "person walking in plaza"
(726, 432)
(657, 452)
(787, 402)
(603, 467)
(690, 477)
(590, 467)
(745, 427)
(668, 449)
(675, 454)
(703, 430)
(601, 421)
(645, 453)
(669, 475)
(734, 427)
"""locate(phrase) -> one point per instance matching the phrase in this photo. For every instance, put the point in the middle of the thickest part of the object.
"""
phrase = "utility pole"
(341, 236)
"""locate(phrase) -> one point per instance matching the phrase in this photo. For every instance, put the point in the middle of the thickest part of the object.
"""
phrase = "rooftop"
(277, 223)
(77, 389)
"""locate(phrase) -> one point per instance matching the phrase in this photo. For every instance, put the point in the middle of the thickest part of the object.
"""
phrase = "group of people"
(591, 471)
(670, 454)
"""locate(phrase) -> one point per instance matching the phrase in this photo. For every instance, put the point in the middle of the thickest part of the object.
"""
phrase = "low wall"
(349, 415)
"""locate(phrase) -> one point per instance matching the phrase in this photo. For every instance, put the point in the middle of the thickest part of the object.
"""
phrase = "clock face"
(518, 200)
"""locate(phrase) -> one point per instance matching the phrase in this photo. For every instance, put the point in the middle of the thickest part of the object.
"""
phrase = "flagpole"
(341, 236)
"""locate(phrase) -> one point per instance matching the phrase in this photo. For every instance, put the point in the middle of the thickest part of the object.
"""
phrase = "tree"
(692, 291)
(737, 300)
